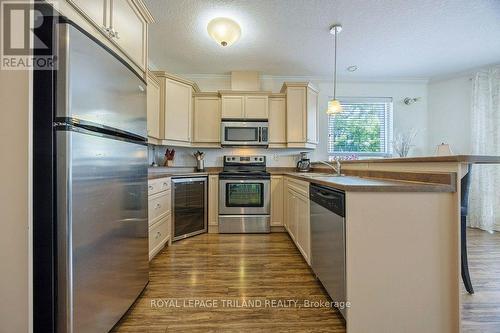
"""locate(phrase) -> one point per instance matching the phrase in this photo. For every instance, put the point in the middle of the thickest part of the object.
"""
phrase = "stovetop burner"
(245, 167)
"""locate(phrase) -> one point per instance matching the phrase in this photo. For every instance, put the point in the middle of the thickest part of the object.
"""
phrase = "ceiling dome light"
(224, 31)
(352, 68)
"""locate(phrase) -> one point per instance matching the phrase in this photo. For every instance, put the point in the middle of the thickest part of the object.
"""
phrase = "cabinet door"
(213, 200)
(256, 107)
(303, 226)
(177, 111)
(131, 29)
(206, 119)
(276, 200)
(233, 107)
(290, 223)
(296, 115)
(277, 120)
(153, 107)
(94, 10)
(312, 116)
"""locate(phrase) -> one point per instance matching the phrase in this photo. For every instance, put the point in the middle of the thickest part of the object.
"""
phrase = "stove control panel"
(244, 160)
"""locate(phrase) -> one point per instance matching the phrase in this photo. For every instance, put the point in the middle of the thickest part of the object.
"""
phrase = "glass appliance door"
(189, 207)
(241, 134)
(244, 195)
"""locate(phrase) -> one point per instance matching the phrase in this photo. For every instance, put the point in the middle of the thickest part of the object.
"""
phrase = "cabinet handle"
(158, 206)
(151, 187)
(115, 34)
(165, 184)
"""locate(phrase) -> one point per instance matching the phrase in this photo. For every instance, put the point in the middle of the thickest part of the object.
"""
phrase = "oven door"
(244, 133)
(244, 197)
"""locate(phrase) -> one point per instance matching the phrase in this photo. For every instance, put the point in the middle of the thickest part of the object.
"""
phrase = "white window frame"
(388, 123)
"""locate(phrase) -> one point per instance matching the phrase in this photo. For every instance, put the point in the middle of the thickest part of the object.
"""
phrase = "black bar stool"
(464, 210)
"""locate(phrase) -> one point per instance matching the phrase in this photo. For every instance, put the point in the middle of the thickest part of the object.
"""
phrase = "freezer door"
(95, 86)
(102, 229)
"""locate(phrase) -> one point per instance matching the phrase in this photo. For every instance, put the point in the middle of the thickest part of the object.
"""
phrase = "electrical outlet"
(276, 157)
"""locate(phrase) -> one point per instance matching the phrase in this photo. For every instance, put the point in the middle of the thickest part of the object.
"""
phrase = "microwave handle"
(260, 134)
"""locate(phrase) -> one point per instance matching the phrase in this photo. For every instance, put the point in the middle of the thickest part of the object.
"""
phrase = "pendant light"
(334, 106)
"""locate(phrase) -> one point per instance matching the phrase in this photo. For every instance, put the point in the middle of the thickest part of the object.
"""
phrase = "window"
(363, 128)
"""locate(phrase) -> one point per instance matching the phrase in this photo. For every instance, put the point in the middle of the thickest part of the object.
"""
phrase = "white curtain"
(484, 199)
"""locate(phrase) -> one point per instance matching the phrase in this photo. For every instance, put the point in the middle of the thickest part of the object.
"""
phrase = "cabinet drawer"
(158, 206)
(298, 186)
(158, 185)
(157, 236)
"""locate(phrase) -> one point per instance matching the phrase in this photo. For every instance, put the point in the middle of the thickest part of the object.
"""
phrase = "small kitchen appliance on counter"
(244, 195)
(304, 164)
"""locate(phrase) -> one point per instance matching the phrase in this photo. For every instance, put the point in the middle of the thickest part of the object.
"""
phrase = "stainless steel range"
(244, 195)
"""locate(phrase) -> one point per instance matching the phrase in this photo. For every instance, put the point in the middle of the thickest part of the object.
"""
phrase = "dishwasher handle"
(329, 198)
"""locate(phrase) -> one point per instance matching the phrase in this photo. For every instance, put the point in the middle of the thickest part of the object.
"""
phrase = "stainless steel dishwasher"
(189, 207)
(328, 240)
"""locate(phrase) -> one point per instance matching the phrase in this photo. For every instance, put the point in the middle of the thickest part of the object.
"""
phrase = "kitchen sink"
(316, 174)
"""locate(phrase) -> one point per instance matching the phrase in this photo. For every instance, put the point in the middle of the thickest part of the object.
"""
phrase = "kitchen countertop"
(345, 183)
(360, 184)
(472, 159)
(163, 172)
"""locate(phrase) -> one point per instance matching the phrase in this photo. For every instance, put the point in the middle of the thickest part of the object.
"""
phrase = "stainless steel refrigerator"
(90, 185)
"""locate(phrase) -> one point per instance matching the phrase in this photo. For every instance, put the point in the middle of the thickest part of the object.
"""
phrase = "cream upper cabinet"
(94, 10)
(233, 107)
(256, 107)
(276, 200)
(177, 110)
(129, 30)
(249, 106)
(153, 106)
(277, 121)
(312, 116)
(123, 22)
(206, 119)
(302, 115)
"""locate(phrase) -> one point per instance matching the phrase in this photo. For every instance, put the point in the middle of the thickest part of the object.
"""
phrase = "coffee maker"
(304, 164)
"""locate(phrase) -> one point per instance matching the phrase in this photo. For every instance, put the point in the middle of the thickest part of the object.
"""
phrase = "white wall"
(15, 207)
(405, 117)
(450, 113)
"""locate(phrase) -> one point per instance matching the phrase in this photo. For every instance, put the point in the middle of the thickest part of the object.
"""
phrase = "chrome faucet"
(337, 169)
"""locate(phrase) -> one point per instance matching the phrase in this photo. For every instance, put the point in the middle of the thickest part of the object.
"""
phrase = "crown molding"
(309, 78)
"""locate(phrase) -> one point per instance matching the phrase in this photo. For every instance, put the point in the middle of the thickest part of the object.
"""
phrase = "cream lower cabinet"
(302, 115)
(213, 203)
(206, 119)
(159, 214)
(276, 201)
(297, 220)
(153, 106)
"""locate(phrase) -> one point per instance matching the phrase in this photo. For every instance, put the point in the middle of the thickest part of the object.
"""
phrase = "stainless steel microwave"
(244, 133)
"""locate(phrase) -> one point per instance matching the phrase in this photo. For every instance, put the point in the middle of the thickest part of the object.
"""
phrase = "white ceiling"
(384, 38)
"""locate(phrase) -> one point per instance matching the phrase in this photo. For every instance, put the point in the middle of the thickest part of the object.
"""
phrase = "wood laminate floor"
(481, 311)
(229, 272)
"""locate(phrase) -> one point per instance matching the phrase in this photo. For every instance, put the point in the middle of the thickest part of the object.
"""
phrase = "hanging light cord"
(335, 64)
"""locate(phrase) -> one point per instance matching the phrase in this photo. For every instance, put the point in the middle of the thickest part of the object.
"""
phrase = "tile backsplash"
(213, 157)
